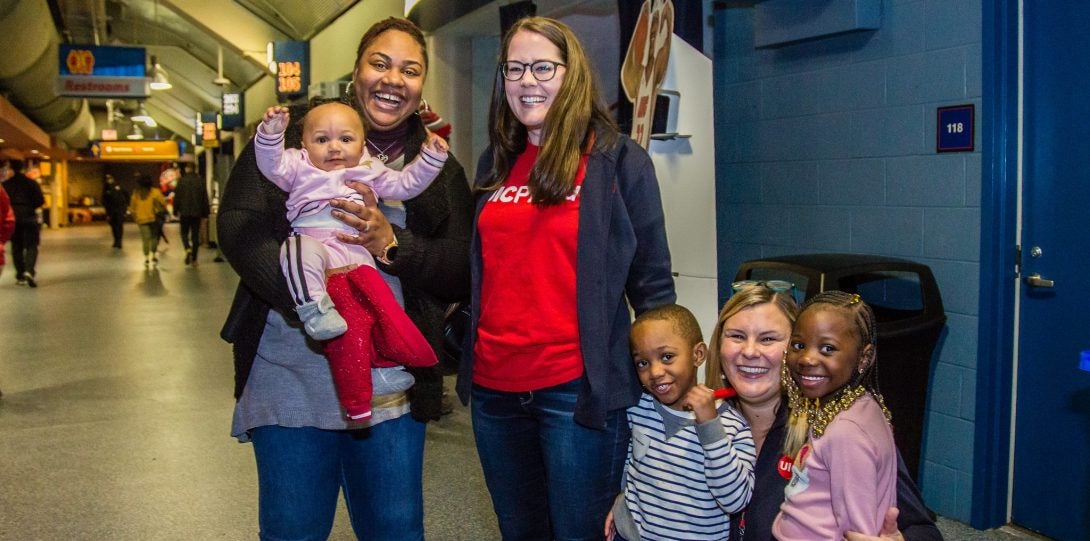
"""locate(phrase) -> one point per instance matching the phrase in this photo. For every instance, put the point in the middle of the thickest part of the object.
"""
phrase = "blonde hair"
(754, 295)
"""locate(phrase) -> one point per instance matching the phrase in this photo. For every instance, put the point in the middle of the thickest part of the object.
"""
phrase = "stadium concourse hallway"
(116, 409)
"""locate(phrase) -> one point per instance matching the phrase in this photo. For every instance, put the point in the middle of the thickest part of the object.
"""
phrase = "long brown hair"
(576, 120)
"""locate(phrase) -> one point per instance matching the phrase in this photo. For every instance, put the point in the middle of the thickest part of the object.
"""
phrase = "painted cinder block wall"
(829, 146)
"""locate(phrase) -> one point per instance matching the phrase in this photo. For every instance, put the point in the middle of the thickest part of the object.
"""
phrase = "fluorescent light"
(159, 79)
(143, 116)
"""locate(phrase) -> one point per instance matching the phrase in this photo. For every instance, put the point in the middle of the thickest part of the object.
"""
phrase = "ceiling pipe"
(31, 75)
(220, 79)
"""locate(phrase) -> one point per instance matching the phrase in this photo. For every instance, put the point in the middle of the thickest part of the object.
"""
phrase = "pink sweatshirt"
(310, 189)
(849, 479)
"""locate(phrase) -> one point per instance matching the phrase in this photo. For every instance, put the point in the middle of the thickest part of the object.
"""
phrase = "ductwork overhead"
(29, 77)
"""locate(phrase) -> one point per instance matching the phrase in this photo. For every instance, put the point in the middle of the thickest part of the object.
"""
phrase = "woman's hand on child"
(701, 401)
(889, 530)
(375, 232)
(276, 119)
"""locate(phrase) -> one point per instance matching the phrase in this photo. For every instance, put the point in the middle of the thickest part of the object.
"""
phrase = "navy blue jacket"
(622, 259)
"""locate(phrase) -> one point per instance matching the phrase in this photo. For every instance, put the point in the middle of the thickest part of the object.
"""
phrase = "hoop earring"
(348, 93)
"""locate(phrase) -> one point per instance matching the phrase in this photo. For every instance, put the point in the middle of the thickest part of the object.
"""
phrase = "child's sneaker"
(321, 320)
(393, 379)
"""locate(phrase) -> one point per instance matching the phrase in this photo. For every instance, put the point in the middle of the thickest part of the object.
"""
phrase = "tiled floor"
(117, 404)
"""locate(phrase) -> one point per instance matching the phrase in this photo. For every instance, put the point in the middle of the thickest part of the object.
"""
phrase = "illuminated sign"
(232, 111)
(135, 150)
(292, 68)
(92, 71)
(208, 124)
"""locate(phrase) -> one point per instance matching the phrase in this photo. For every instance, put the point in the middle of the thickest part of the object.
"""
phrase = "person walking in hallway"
(7, 224)
(147, 205)
(26, 198)
(191, 207)
(116, 201)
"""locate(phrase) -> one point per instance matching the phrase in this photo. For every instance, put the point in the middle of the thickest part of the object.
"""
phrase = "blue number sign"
(954, 129)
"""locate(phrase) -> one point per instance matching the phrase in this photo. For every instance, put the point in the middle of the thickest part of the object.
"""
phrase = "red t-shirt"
(528, 332)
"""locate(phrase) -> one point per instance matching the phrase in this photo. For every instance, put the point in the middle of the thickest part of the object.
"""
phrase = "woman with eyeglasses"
(569, 232)
(751, 336)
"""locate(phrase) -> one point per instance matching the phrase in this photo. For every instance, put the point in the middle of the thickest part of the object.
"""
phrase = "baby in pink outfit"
(377, 333)
(333, 153)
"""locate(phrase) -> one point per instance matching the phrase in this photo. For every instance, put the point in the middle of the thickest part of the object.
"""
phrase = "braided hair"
(804, 412)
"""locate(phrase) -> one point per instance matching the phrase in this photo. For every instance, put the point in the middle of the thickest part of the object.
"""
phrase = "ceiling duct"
(30, 76)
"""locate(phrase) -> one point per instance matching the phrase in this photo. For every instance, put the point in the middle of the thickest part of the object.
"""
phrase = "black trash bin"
(908, 307)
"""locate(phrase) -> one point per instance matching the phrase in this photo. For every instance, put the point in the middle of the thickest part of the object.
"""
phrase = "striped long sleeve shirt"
(682, 480)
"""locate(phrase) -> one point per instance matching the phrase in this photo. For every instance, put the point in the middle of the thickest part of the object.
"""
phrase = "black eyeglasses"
(543, 70)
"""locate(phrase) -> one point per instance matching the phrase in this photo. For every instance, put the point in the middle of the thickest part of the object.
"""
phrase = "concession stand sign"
(90, 71)
(135, 150)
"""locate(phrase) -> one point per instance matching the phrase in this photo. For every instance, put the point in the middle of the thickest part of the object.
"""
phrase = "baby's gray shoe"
(390, 380)
(321, 320)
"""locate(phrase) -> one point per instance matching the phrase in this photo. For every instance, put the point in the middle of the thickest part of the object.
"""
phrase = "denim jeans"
(549, 477)
(301, 470)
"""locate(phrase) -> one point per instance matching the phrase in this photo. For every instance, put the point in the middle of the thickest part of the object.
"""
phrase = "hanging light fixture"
(137, 133)
(143, 116)
(159, 79)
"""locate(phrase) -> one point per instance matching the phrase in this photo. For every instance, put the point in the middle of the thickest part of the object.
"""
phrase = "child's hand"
(611, 529)
(436, 143)
(701, 401)
(276, 119)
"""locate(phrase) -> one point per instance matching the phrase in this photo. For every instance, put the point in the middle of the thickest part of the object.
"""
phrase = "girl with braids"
(569, 233)
(844, 474)
(750, 338)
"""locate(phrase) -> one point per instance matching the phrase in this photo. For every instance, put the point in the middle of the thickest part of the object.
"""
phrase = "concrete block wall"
(829, 146)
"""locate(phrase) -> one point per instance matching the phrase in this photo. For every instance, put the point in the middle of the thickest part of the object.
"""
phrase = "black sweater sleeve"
(251, 226)
(914, 520)
(433, 248)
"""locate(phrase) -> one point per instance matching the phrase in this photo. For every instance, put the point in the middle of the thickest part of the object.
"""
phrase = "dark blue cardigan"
(622, 259)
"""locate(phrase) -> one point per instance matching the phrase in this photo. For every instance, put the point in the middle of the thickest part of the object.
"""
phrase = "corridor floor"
(116, 407)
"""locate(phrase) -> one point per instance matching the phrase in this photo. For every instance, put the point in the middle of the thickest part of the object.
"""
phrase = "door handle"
(1035, 280)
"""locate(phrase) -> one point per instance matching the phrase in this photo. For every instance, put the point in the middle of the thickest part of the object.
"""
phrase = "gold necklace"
(819, 415)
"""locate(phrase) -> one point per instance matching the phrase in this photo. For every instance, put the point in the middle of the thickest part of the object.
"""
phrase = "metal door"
(1052, 420)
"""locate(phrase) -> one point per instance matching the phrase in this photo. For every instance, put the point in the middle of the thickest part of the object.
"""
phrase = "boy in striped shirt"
(690, 460)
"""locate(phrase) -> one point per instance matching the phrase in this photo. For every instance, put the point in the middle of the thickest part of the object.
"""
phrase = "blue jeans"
(549, 477)
(301, 470)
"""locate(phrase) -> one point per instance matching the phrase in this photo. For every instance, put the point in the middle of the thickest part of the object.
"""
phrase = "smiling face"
(825, 350)
(388, 79)
(751, 348)
(333, 136)
(528, 98)
(665, 362)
